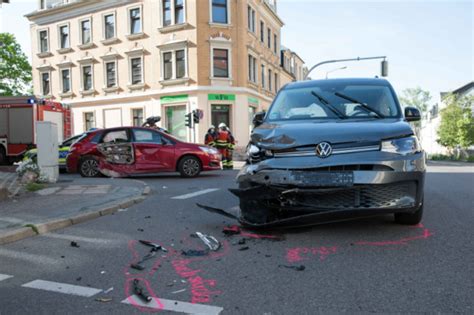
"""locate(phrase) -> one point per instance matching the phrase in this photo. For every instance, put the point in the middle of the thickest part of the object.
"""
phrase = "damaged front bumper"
(291, 191)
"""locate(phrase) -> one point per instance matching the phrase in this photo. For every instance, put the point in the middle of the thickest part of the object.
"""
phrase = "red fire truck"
(17, 124)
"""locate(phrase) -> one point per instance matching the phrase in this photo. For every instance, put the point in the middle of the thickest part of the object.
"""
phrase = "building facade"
(117, 62)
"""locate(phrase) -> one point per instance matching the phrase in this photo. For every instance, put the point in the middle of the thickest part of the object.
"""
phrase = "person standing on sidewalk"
(224, 143)
(211, 136)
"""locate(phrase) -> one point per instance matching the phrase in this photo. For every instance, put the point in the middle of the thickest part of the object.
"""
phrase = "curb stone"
(57, 224)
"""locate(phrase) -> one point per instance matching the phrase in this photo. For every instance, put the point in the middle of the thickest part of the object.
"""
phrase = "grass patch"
(444, 157)
(34, 187)
(33, 227)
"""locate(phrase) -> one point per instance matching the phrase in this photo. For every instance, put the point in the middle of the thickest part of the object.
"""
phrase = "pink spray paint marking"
(403, 241)
(200, 293)
(294, 255)
(236, 230)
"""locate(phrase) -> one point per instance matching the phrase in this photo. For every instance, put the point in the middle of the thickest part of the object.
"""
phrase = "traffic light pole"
(341, 60)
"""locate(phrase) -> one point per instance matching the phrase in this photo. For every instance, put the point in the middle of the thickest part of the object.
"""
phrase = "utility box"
(47, 143)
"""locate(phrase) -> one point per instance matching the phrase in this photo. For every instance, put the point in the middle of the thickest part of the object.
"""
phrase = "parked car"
(329, 150)
(137, 150)
(62, 154)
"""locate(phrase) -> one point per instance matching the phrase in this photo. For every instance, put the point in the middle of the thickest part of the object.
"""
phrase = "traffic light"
(196, 116)
(189, 122)
(384, 68)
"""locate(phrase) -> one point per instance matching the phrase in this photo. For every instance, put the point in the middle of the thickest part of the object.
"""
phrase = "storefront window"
(175, 121)
(251, 115)
(220, 114)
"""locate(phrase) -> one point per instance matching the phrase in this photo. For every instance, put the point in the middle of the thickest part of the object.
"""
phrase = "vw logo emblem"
(323, 150)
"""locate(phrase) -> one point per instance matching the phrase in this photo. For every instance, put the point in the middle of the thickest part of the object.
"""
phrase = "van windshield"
(325, 102)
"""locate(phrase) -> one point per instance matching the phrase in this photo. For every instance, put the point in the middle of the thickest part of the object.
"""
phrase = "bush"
(443, 157)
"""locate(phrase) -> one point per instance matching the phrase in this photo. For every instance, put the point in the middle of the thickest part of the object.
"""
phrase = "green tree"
(416, 97)
(15, 70)
(457, 122)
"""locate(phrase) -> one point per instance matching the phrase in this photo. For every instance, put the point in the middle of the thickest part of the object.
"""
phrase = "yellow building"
(118, 62)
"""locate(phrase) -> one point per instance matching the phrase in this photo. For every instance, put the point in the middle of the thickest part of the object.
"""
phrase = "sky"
(429, 44)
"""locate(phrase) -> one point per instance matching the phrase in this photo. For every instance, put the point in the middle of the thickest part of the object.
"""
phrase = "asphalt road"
(369, 265)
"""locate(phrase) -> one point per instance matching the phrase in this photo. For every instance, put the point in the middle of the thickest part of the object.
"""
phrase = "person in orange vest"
(225, 144)
(210, 138)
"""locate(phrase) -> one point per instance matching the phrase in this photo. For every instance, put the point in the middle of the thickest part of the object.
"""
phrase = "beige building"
(292, 67)
(118, 62)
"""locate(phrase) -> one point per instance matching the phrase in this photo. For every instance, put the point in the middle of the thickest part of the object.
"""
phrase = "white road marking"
(36, 259)
(197, 193)
(62, 288)
(175, 306)
(5, 277)
(11, 220)
(80, 239)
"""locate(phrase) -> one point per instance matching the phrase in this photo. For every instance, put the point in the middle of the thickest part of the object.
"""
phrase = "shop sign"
(221, 97)
(174, 99)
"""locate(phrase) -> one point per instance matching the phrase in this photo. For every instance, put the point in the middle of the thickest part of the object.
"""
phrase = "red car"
(135, 150)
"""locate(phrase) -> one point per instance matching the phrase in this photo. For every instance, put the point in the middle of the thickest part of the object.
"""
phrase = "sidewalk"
(70, 201)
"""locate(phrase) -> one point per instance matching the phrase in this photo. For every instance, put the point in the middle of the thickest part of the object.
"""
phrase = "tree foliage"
(457, 122)
(416, 97)
(15, 70)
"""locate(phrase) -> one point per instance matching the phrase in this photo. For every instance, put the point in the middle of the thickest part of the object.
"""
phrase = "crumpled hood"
(285, 135)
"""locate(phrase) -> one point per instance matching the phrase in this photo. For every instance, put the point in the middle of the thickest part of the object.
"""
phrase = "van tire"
(412, 218)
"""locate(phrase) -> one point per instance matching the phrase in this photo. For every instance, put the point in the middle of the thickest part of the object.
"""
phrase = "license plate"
(326, 179)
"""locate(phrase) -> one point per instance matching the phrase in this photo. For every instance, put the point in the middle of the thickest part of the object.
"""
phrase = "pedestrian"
(225, 144)
(211, 136)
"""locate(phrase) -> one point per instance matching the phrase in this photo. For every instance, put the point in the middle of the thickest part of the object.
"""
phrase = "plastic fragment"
(140, 292)
(210, 241)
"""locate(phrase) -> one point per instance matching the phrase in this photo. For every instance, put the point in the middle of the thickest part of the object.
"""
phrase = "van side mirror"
(258, 119)
(412, 114)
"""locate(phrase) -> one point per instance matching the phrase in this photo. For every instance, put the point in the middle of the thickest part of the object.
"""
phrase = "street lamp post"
(344, 60)
(333, 70)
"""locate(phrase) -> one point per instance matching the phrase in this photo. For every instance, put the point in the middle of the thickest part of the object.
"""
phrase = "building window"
(251, 19)
(270, 78)
(64, 36)
(221, 63)
(174, 64)
(66, 80)
(219, 11)
(262, 32)
(136, 70)
(178, 11)
(86, 31)
(135, 21)
(110, 74)
(173, 12)
(45, 86)
(109, 26)
(168, 65)
(275, 43)
(180, 64)
(43, 41)
(137, 117)
(263, 76)
(89, 121)
(174, 121)
(87, 78)
(166, 12)
(252, 69)
(276, 82)
(269, 38)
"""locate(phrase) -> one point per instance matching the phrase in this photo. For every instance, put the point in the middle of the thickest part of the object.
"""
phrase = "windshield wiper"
(328, 105)
(364, 106)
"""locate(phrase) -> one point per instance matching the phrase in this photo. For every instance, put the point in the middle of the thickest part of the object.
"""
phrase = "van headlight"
(402, 146)
(256, 154)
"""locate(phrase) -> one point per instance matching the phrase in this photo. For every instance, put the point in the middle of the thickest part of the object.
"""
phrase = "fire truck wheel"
(3, 156)
(89, 167)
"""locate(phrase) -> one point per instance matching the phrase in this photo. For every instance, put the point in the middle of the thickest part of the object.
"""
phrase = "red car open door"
(152, 153)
